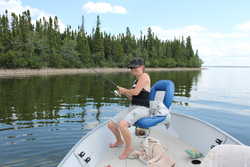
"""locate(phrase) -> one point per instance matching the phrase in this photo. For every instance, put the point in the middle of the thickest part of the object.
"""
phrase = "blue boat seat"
(148, 122)
(162, 85)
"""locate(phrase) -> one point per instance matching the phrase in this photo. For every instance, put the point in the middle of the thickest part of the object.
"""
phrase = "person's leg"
(135, 114)
(123, 125)
(113, 125)
(115, 130)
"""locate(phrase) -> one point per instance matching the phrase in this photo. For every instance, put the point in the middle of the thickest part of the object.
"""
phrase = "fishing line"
(111, 82)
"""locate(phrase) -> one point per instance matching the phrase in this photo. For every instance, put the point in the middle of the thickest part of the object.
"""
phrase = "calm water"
(41, 118)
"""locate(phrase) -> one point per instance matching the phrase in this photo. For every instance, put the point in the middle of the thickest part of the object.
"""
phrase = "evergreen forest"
(41, 44)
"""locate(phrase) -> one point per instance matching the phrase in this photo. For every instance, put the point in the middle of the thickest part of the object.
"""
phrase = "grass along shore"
(52, 71)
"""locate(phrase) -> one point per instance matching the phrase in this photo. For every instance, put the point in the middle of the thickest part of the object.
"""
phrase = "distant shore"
(52, 71)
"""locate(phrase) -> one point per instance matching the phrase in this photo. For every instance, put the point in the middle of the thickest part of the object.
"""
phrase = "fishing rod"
(111, 82)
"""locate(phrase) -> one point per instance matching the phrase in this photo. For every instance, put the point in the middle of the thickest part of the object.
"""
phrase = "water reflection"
(37, 101)
(184, 81)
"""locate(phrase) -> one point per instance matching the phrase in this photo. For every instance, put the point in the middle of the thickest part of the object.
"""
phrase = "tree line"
(24, 44)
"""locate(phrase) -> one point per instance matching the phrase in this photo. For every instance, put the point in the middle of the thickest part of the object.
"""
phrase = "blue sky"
(220, 30)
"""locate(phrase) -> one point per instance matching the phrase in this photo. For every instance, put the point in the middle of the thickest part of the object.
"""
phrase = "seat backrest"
(163, 85)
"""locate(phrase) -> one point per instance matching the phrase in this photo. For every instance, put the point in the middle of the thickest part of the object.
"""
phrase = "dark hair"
(136, 62)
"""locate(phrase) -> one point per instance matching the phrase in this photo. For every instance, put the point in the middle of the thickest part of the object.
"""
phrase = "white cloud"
(103, 7)
(244, 26)
(16, 6)
(215, 48)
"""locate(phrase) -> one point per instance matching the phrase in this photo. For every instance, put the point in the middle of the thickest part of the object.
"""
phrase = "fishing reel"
(117, 93)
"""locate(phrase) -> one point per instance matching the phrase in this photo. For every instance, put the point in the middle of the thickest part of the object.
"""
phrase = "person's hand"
(121, 90)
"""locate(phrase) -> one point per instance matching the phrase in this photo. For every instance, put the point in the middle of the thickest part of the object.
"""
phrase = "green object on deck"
(194, 154)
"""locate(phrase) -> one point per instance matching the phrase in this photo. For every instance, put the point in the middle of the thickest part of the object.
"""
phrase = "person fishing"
(139, 108)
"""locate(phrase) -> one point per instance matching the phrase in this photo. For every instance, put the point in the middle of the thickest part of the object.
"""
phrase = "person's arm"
(129, 97)
(142, 82)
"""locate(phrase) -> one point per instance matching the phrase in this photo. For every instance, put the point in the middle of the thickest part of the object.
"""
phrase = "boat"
(92, 150)
(180, 134)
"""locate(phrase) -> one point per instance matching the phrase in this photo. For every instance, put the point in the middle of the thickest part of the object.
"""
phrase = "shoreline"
(52, 71)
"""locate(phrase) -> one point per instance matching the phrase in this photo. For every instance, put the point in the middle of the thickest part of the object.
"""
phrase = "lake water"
(41, 118)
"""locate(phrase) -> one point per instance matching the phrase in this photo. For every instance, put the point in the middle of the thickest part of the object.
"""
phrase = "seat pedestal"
(142, 132)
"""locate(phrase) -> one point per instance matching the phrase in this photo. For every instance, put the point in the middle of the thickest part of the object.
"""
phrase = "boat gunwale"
(82, 138)
(209, 125)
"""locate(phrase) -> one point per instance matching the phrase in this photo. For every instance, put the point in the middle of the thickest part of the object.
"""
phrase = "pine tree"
(118, 53)
(108, 47)
(189, 47)
(98, 48)
(82, 47)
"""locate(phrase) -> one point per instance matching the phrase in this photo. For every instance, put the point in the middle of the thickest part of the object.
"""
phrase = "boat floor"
(175, 149)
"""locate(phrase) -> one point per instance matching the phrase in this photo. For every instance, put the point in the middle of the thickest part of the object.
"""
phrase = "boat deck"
(175, 149)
